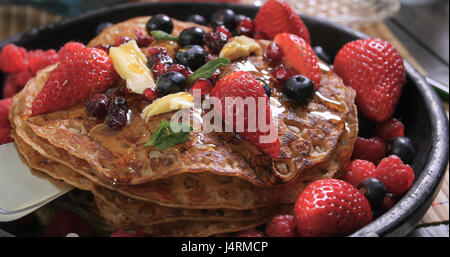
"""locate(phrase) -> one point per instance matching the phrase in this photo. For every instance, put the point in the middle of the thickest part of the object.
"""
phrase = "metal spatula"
(21, 192)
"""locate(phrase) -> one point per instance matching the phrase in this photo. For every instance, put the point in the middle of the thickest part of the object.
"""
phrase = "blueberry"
(299, 88)
(322, 54)
(97, 105)
(117, 118)
(170, 83)
(102, 26)
(403, 147)
(266, 87)
(192, 36)
(374, 190)
(160, 22)
(192, 56)
(197, 18)
(223, 17)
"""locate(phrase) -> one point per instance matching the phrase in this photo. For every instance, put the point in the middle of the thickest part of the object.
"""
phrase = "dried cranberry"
(153, 50)
(120, 40)
(158, 55)
(97, 105)
(116, 118)
(273, 52)
(143, 40)
(245, 27)
(150, 94)
(159, 69)
(224, 30)
(215, 41)
(181, 69)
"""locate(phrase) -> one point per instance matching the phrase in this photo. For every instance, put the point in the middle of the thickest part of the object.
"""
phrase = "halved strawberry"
(298, 54)
(276, 16)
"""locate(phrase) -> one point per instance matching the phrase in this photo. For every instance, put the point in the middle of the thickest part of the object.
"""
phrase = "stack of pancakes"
(213, 183)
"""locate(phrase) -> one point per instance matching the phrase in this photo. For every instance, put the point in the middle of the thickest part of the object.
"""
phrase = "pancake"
(308, 135)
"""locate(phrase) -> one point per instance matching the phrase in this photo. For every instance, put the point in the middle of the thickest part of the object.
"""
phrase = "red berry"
(282, 226)
(123, 90)
(245, 27)
(371, 149)
(142, 39)
(276, 16)
(358, 170)
(331, 207)
(396, 176)
(274, 52)
(388, 202)
(68, 49)
(375, 69)
(205, 86)
(117, 116)
(215, 41)
(65, 222)
(390, 129)
(5, 136)
(243, 85)
(215, 77)
(281, 74)
(150, 94)
(300, 56)
(5, 104)
(87, 71)
(154, 50)
(103, 47)
(23, 77)
(224, 30)
(159, 69)
(250, 233)
(181, 69)
(120, 40)
(97, 105)
(11, 86)
(47, 58)
(210, 57)
(13, 59)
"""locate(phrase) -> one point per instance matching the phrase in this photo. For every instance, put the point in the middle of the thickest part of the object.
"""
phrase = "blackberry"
(215, 41)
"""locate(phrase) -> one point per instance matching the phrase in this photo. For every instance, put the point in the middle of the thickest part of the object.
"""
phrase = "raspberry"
(5, 136)
(120, 40)
(143, 40)
(274, 52)
(224, 30)
(389, 129)
(358, 170)
(65, 222)
(13, 59)
(372, 149)
(11, 86)
(215, 41)
(281, 226)
(245, 27)
(181, 69)
(204, 85)
(250, 233)
(68, 49)
(150, 94)
(116, 118)
(23, 77)
(396, 176)
(97, 105)
(5, 105)
(39, 62)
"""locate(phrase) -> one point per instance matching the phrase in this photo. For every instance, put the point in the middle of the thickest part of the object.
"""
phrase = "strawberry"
(276, 16)
(13, 59)
(331, 207)
(85, 72)
(65, 222)
(395, 175)
(375, 69)
(5, 136)
(358, 170)
(5, 104)
(299, 55)
(69, 48)
(243, 85)
(282, 226)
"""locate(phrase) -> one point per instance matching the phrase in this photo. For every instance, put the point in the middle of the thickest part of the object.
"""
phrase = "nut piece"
(239, 47)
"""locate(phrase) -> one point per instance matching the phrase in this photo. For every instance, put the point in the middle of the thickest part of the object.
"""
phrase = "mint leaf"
(161, 35)
(208, 69)
(165, 137)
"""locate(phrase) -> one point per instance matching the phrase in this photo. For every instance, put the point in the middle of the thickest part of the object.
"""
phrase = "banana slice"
(131, 65)
(239, 47)
(168, 103)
